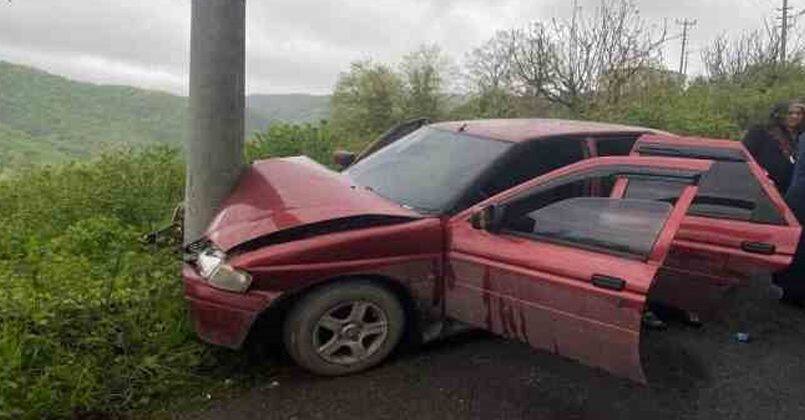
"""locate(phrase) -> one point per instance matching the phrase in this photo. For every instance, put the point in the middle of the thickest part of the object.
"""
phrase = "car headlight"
(220, 275)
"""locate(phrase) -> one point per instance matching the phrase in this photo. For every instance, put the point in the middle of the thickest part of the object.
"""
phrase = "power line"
(683, 58)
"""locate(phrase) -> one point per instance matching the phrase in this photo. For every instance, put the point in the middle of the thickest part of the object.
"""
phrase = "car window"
(621, 146)
(527, 161)
(729, 191)
(523, 214)
(623, 227)
(584, 186)
(427, 170)
(694, 152)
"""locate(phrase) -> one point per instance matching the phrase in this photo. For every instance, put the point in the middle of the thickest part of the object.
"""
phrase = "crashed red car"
(556, 233)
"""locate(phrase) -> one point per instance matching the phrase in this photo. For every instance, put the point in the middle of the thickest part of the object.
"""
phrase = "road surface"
(700, 373)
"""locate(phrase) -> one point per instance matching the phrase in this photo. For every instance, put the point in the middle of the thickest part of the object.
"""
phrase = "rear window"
(728, 191)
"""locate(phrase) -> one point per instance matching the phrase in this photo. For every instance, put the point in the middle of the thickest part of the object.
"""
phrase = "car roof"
(525, 129)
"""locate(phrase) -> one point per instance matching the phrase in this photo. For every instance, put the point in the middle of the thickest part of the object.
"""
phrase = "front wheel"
(344, 328)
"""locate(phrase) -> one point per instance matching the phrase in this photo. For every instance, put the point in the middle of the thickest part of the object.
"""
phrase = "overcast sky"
(302, 45)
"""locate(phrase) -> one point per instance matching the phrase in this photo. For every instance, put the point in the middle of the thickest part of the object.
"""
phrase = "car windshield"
(427, 169)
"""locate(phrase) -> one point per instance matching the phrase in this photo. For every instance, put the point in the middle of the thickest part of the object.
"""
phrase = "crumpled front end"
(220, 317)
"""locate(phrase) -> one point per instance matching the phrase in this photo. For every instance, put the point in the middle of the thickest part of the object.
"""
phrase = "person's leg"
(792, 280)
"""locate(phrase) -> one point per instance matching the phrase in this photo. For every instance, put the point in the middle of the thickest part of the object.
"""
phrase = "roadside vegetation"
(92, 320)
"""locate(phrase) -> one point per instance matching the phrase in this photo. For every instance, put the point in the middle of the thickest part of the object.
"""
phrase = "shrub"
(315, 141)
(90, 319)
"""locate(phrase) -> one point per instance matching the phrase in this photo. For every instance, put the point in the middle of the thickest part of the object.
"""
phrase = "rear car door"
(567, 274)
(737, 225)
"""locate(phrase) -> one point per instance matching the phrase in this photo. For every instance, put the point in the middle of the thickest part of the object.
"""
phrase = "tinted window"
(693, 152)
(650, 189)
(615, 147)
(530, 160)
(729, 191)
(628, 227)
(428, 169)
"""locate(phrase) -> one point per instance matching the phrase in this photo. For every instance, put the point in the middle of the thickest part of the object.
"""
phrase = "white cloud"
(300, 45)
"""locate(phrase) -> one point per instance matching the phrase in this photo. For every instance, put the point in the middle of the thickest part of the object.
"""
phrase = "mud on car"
(556, 233)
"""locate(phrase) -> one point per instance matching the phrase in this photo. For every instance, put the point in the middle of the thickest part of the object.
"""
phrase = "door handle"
(758, 247)
(609, 282)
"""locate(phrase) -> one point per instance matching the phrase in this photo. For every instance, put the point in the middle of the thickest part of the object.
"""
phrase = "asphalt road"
(694, 373)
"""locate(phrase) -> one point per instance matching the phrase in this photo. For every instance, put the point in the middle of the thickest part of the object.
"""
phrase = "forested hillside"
(49, 119)
(58, 118)
(291, 108)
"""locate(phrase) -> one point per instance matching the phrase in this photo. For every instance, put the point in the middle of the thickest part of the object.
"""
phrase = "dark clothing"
(795, 195)
(773, 149)
(792, 280)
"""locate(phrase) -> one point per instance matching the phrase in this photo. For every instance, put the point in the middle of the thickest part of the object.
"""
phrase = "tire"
(344, 328)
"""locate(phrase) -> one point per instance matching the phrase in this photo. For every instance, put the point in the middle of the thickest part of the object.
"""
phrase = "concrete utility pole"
(215, 143)
(784, 32)
(683, 59)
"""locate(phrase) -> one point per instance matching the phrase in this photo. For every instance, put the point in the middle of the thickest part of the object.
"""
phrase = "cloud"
(298, 45)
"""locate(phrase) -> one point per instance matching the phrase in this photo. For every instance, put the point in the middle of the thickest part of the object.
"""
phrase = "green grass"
(92, 321)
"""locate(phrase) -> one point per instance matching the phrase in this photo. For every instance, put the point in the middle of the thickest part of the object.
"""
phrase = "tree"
(749, 52)
(569, 61)
(366, 101)
(423, 75)
(490, 76)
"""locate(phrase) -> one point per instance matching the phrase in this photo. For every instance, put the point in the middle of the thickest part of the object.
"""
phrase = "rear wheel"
(344, 328)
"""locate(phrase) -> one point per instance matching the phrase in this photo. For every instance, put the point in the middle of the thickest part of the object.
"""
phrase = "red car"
(552, 232)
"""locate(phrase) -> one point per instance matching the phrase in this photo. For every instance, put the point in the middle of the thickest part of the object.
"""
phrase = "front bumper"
(220, 317)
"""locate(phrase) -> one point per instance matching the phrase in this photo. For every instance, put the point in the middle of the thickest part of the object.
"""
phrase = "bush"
(90, 319)
(709, 108)
(314, 141)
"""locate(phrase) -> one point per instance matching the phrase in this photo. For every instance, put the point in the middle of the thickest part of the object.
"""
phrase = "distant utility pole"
(214, 146)
(784, 32)
(683, 58)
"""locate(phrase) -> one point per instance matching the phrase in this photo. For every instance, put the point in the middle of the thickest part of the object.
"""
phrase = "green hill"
(292, 108)
(46, 118)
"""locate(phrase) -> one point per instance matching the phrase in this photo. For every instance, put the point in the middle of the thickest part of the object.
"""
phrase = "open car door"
(565, 273)
(737, 225)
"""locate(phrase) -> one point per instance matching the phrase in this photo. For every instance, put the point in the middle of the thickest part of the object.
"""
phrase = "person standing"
(774, 145)
(792, 280)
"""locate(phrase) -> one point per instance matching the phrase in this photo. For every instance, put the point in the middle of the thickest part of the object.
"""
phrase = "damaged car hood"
(279, 194)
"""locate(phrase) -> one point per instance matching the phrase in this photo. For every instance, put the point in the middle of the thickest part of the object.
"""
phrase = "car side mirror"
(343, 158)
(489, 218)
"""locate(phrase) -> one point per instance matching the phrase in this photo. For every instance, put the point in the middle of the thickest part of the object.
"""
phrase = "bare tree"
(489, 76)
(727, 58)
(490, 66)
(570, 62)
